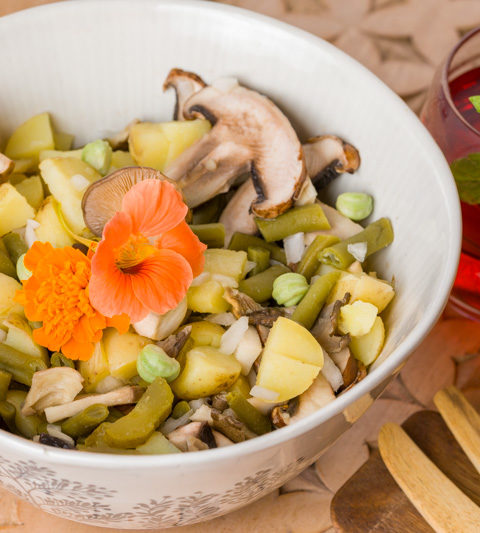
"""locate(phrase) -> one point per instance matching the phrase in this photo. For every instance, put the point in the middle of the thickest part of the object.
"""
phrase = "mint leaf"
(466, 172)
(475, 102)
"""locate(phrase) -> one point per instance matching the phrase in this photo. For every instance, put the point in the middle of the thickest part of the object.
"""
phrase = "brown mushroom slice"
(347, 364)
(185, 437)
(185, 84)
(174, 343)
(6, 167)
(325, 326)
(318, 395)
(328, 156)
(119, 141)
(241, 303)
(103, 198)
(259, 133)
(236, 216)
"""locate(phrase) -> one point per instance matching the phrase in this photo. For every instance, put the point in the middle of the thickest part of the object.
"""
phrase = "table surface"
(389, 37)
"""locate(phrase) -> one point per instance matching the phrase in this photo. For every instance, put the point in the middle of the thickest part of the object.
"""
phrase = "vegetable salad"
(181, 286)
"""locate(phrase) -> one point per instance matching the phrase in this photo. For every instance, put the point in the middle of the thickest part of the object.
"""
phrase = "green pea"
(289, 289)
(355, 205)
(153, 362)
(22, 271)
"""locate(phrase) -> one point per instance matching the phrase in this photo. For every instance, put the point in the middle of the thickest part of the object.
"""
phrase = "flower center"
(133, 253)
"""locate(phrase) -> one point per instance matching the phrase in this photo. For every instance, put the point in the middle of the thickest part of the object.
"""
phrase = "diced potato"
(206, 333)
(289, 377)
(20, 337)
(8, 289)
(29, 139)
(156, 145)
(357, 318)
(207, 298)
(51, 154)
(16, 178)
(229, 263)
(51, 229)
(14, 209)
(122, 352)
(25, 166)
(63, 141)
(293, 340)
(57, 173)
(121, 159)
(32, 189)
(368, 347)
(96, 369)
(207, 371)
(346, 283)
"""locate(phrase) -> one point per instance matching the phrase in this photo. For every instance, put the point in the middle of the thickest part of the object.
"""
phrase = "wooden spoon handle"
(462, 420)
(441, 503)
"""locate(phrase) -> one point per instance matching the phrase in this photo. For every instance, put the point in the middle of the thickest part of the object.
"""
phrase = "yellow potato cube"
(207, 298)
(29, 139)
(374, 291)
(346, 283)
(51, 229)
(95, 369)
(14, 209)
(122, 352)
(51, 154)
(8, 289)
(206, 333)
(20, 337)
(181, 135)
(121, 159)
(368, 347)
(357, 318)
(229, 263)
(63, 141)
(32, 189)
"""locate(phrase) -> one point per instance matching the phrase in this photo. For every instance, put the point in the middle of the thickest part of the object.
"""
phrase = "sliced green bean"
(213, 234)
(377, 235)
(209, 211)
(260, 256)
(85, 422)
(309, 308)
(310, 262)
(7, 414)
(115, 413)
(242, 241)
(5, 379)
(180, 409)
(260, 287)
(58, 359)
(6, 265)
(20, 365)
(96, 439)
(246, 413)
(299, 219)
(151, 410)
(28, 426)
(15, 246)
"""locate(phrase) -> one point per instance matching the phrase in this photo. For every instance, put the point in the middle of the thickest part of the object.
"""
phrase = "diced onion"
(79, 182)
(225, 281)
(358, 250)
(331, 372)
(232, 337)
(30, 235)
(223, 319)
(264, 394)
(196, 404)
(204, 414)
(171, 424)
(294, 247)
(201, 278)
(248, 349)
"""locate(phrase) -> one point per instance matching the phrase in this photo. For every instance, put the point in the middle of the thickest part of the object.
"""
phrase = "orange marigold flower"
(57, 295)
(148, 256)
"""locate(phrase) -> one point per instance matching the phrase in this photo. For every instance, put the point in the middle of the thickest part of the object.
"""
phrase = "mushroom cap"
(103, 198)
(185, 84)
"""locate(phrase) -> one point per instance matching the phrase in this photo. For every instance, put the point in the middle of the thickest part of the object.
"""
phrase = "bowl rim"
(388, 367)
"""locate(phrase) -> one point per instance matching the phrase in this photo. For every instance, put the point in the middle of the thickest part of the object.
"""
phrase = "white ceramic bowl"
(96, 65)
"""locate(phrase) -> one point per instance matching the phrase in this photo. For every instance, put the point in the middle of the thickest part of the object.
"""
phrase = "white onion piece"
(248, 349)
(201, 278)
(308, 194)
(204, 414)
(79, 182)
(171, 424)
(225, 281)
(196, 404)
(294, 247)
(56, 431)
(225, 85)
(159, 327)
(358, 250)
(232, 337)
(264, 394)
(30, 235)
(222, 319)
(331, 372)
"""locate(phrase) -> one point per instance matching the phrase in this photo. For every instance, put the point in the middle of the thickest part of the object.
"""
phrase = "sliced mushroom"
(193, 437)
(119, 141)
(249, 134)
(361, 374)
(221, 440)
(266, 316)
(318, 395)
(103, 198)
(52, 387)
(241, 303)
(219, 401)
(236, 216)
(122, 396)
(328, 156)
(185, 84)
(325, 326)
(228, 426)
(347, 365)
(174, 343)
(6, 167)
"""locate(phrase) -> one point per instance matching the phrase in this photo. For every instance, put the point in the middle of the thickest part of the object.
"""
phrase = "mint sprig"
(466, 172)
(475, 100)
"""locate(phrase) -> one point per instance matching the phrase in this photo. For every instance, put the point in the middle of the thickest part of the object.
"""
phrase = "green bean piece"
(20, 365)
(309, 308)
(209, 211)
(15, 246)
(242, 241)
(260, 287)
(241, 386)
(213, 234)
(310, 262)
(377, 235)
(5, 379)
(114, 415)
(6, 265)
(7, 414)
(180, 409)
(153, 362)
(354, 205)
(96, 439)
(151, 410)
(260, 256)
(251, 417)
(58, 359)
(299, 219)
(289, 289)
(85, 422)
(28, 426)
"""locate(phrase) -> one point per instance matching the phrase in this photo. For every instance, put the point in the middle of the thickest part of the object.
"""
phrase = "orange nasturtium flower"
(148, 256)
(57, 295)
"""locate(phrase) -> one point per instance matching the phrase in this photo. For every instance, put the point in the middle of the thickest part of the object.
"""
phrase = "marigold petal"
(154, 207)
(77, 350)
(51, 341)
(36, 253)
(162, 280)
(182, 240)
(120, 322)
